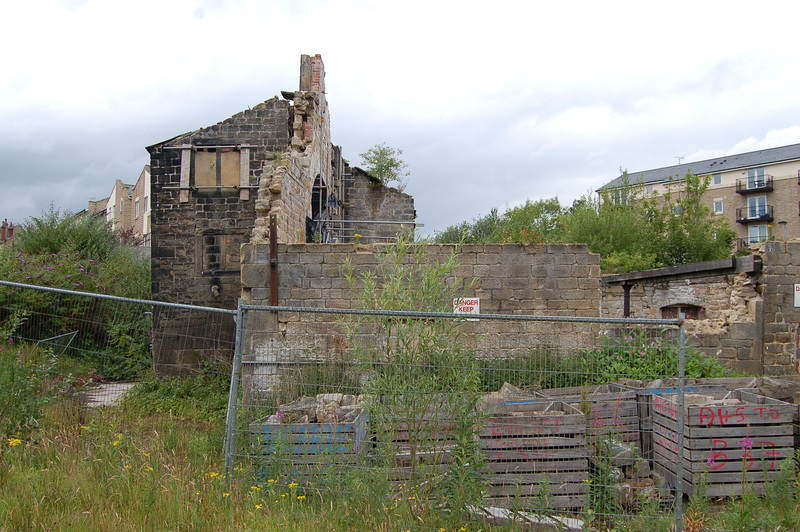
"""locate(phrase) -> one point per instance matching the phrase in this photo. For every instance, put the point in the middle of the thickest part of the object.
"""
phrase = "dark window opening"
(691, 312)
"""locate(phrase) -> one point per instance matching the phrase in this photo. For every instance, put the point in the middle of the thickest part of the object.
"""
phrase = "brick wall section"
(368, 202)
(750, 322)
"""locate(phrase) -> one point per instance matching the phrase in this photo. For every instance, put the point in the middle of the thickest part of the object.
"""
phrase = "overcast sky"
(492, 103)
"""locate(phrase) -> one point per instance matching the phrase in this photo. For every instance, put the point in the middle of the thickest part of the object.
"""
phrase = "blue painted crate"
(310, 442)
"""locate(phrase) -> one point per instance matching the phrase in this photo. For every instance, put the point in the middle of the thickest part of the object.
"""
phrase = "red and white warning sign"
(467, 305)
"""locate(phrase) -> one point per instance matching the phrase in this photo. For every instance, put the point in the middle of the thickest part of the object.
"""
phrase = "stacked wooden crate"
(308, 448)
(644, 400)
(611, 411)
(536, 455)
(731, 440)
(415, 445)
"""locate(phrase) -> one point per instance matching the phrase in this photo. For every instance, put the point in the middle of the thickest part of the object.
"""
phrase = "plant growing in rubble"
(384, 164)
(420, 379)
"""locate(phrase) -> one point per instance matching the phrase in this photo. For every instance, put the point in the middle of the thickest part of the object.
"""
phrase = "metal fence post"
(233, 394)
(681, 423)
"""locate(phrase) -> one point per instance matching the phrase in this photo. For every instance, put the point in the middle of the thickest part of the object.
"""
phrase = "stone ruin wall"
(285, 188)
(749, 322)
(548, 280)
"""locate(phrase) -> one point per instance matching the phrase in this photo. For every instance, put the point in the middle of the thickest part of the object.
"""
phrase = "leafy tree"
(536, 221)
(630, 231)
(384, 164)
(54, 232)
(684, 228)
(614, 225)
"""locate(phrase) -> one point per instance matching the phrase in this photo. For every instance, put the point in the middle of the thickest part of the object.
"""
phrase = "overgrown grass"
(116, 469)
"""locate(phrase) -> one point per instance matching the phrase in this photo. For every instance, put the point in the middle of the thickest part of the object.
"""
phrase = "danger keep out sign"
(467, 305)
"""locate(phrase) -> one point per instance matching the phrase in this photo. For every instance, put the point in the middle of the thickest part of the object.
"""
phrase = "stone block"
(743, 331)
(254, 275)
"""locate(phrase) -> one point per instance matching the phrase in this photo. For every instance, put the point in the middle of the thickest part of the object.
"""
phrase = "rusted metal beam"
(273, 261)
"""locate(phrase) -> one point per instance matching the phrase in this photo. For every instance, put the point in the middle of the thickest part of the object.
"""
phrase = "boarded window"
(215, 167)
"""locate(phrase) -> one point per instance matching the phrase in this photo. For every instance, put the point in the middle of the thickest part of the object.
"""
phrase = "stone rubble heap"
(324, 408)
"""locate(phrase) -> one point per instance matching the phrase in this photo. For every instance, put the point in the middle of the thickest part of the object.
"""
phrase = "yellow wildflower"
(301, 497)
(13, 442)
(258, 506)
(226, 494)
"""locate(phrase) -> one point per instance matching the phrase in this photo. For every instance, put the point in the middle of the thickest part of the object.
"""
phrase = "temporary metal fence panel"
(99, 343)
(539, 415)
(531, 416)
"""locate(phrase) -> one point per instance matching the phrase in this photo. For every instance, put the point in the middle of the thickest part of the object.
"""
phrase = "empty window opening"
(691, 312)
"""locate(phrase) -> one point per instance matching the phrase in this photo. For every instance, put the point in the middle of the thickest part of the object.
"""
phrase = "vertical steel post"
(681, 428)
(233, 394)
(273, 261)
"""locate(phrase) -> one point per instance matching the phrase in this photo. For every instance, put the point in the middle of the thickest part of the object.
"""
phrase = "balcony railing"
(745, 242)
(754, 214)
(760, 184)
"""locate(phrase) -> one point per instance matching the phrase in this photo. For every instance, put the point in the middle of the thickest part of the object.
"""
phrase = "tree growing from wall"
(385, 164)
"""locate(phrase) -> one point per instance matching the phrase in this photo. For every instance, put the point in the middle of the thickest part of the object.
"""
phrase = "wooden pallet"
(536, 456)
(724, 447)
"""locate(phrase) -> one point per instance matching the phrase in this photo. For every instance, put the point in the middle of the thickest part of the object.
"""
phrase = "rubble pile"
(324, 408)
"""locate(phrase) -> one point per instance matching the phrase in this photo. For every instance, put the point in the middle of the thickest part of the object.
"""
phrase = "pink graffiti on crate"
(708, 416)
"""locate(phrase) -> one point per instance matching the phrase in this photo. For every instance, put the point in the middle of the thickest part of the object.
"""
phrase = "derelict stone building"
(219, 187)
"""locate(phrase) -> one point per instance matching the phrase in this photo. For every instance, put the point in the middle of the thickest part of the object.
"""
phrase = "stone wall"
(747, 316)
(372, 211)
(197, 232)
(551, 280)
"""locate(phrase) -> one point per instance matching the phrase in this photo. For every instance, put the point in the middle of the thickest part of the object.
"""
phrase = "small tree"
(685, 229)
(421, 379)
(384, 164)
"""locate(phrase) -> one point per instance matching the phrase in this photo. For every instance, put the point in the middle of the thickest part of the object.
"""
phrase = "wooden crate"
(729, 445)
(610, 409)
(304, 447)
(644, 401)
(536, 455)
(415, 447)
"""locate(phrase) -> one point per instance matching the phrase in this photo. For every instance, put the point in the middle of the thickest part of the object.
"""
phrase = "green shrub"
(26, 373)
(82, 255)
(202, 397)
(645, 353)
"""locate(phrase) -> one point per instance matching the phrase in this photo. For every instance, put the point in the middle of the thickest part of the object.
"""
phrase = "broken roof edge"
(188, 134)
(748, 264)
(751, 159)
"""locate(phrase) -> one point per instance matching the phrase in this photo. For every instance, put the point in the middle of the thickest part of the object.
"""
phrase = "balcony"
(744, 243)
(754, 214)
(760, 184)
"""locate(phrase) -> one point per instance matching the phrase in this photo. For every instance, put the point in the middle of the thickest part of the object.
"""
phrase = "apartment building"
(127, 208)
(758, 192)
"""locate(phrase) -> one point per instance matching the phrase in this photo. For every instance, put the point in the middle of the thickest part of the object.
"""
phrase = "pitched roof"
(712, 166)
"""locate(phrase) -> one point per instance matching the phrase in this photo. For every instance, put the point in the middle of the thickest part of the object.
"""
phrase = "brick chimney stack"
(3, 230)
